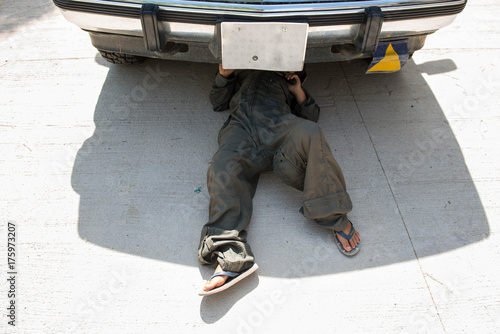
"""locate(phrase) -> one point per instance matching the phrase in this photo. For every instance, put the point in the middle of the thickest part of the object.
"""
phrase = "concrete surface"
(100, 165)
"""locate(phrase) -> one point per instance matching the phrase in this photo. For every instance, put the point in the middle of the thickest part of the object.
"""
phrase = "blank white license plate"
(276, 46)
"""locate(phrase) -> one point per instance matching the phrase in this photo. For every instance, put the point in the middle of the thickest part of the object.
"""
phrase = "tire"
(120, 58)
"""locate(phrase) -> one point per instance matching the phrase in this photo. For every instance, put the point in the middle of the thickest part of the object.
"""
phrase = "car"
(261, 34)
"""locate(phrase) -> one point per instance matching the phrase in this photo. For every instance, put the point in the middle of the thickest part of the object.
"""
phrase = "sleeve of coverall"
(222, 92)
(308, 109)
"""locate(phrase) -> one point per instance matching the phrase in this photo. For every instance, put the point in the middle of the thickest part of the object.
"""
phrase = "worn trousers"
(298, 153)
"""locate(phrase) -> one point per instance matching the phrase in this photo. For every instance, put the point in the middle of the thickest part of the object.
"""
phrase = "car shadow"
(14, 14)
(141, 176)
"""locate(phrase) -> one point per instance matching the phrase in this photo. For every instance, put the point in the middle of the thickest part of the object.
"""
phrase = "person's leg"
(232, 180)
(304, 161)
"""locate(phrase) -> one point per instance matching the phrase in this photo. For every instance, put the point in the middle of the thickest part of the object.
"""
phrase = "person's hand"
(296, 88)
(225, 73)
(290, 76)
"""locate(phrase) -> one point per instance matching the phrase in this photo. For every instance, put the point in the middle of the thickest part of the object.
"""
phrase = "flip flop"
(231, 280)
(353, 251)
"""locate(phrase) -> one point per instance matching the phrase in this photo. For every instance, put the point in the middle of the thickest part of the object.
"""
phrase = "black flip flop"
(232, 279)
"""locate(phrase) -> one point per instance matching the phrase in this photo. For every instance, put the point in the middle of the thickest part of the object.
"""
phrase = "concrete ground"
(103, 176)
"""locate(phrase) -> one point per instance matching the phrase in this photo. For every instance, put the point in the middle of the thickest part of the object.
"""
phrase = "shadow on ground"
(14, 14)
(141, 176)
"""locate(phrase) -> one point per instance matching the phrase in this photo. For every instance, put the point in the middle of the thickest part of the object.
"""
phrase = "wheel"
(120, 58)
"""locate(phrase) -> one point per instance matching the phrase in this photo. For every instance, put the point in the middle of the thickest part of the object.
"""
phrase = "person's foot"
(349, 245)
(216, 281)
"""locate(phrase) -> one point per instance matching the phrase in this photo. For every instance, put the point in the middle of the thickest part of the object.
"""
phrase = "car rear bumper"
(190, 27)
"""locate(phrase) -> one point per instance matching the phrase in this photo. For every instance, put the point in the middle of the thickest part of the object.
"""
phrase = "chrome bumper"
(194, 23)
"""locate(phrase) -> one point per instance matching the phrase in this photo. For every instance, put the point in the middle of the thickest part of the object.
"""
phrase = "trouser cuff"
(227, 248)
(329, 211)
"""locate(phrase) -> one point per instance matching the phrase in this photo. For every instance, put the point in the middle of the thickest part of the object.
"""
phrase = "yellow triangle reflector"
(390, 63)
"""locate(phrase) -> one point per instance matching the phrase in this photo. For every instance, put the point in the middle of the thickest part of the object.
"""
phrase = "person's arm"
(305, 105)
(222, 89)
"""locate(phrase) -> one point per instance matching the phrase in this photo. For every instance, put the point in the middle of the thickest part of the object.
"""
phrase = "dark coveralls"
(267, 130)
